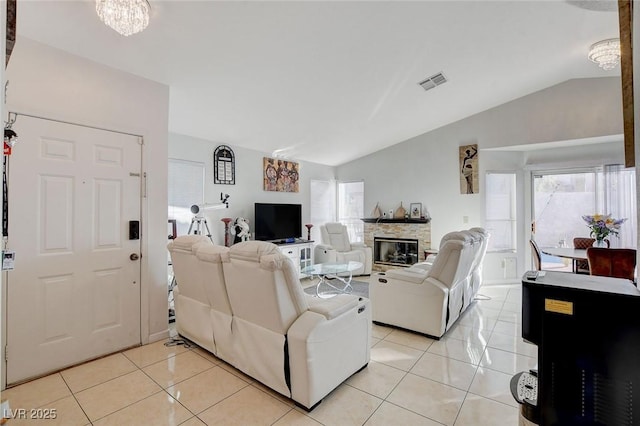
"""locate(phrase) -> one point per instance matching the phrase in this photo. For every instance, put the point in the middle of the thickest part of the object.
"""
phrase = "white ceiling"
(332, 81)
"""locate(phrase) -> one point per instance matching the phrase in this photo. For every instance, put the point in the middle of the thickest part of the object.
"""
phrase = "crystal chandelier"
(125, 16)
(606, 53)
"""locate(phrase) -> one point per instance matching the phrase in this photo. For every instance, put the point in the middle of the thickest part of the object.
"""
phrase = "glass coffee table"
(333, 278)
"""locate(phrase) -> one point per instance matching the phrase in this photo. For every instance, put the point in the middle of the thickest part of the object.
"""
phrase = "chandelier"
(125, 16)
(606, 53)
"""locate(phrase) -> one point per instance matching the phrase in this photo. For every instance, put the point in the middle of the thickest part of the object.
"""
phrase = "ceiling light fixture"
(125, 16)
(606, 53)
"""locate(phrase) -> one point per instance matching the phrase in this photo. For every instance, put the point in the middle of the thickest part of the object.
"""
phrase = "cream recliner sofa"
(336, 248)
(428, 298)
(263, 323)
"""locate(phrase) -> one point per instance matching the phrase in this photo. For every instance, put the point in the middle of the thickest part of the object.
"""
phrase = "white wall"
(425, 168)
(51, 83)
(248, 188)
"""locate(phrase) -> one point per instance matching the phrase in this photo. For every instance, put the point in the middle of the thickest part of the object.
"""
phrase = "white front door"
(74, 294)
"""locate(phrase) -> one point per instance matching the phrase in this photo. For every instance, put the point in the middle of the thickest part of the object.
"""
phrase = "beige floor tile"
(511, 328)
(482, 311)
(285, 400)
(490, 303)
(476, 322)
(394, 355)
(175, 369)
(493, 385)
(193, 421)
(512, 307)
(380, 331)
(249, 406)
(206, 389)
(476, 336)
(99, 371)
(458, 349)
(510, 316)
(108, 397)
(389, 414)
(296, 418)
(152, 353)
(431, 399)
(507, 362)
(63, 412)
(345, 406)
(37, 393)
(512, 343)
(239, 374)
(206, 355)
(445, 370)
(413, 340)
(377, 379)
(478, 410)
(374, 341)
(158, 409)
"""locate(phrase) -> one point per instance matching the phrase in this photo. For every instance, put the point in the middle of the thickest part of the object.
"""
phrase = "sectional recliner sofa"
(245, 305)
(429, 297)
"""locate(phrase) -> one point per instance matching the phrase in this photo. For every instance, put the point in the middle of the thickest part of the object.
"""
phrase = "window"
(500, 211)
(186, 188)
(561, 198)
(351, 209)
(323, 205)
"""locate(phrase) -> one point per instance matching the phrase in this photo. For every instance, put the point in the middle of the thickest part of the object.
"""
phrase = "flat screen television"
(278, 222)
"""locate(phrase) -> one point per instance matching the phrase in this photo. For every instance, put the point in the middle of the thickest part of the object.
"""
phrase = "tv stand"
(300, 251)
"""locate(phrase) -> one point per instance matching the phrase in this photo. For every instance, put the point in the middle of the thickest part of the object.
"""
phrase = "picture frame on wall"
(415, 210)
(280, 175)
(469, 181)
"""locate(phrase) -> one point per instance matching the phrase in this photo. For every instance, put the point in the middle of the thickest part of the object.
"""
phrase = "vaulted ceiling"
(331, 81)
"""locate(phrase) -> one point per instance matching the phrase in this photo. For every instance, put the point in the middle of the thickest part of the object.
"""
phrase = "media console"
(300, 251)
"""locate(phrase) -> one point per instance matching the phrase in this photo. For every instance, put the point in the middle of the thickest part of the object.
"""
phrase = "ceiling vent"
(433, 81)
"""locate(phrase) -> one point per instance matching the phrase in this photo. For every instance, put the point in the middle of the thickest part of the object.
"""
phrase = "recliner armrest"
(416, 275)
(333, 307)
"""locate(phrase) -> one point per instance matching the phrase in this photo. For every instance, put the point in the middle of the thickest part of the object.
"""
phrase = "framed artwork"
(415, 210)
(280, 175)
(224, 166)
(173, 229)
(469, 169)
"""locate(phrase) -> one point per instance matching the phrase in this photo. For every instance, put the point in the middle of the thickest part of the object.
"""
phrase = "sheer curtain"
(620, 202)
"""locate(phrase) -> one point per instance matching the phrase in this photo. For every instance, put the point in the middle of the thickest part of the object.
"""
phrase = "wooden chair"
(537, 256)
(607, 262)
(582, 266)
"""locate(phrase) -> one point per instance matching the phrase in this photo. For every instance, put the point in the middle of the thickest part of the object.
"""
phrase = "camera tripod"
(200, 225)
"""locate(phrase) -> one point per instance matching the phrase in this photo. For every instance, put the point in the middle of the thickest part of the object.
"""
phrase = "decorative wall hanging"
(469, 169)
(224, 166)
(280, 175)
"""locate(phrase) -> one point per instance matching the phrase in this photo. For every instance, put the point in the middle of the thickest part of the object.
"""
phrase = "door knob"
(134, 256)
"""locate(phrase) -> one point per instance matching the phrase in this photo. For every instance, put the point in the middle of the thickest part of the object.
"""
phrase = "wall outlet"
(465, 219)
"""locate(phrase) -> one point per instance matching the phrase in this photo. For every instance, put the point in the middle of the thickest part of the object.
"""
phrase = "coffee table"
(333, 278)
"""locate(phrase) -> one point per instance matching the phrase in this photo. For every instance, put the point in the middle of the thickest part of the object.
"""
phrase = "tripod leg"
(206, 225)
(191, 226)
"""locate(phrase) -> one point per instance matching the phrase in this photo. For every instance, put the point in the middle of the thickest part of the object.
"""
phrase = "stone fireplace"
(395, 251)
(397, 231)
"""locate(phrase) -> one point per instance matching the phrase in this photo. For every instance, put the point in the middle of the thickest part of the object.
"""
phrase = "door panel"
(74, 294)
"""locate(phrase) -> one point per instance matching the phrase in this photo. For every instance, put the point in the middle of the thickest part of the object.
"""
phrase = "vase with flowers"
(601, 226)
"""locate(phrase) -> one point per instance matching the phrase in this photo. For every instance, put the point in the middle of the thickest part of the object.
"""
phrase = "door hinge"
(144, 183)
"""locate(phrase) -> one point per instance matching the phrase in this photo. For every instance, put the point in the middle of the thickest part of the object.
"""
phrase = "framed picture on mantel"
(415, 210)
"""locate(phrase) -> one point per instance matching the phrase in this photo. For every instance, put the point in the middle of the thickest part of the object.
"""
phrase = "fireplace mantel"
(399, 220)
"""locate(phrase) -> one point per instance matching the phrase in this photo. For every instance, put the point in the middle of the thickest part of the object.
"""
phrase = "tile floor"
(462, 379)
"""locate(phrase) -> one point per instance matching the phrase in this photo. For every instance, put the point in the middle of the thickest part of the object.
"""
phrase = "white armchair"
(336, 247)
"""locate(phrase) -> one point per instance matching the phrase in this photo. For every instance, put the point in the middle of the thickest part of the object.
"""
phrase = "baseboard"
(158, 336)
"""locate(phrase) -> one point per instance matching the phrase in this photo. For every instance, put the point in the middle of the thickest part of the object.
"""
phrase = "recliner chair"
(336, 248)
